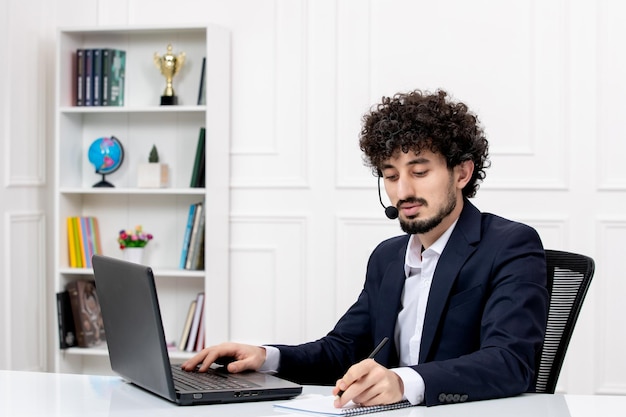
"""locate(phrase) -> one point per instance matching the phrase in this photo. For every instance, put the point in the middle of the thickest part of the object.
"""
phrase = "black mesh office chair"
(569, 276)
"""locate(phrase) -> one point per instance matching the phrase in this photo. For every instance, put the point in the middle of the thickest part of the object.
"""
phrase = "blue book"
(183, 255)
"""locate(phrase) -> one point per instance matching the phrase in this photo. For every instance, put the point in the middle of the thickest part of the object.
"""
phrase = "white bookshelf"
(141, 123)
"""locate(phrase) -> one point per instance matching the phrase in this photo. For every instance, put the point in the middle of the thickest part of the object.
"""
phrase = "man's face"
(423, 189)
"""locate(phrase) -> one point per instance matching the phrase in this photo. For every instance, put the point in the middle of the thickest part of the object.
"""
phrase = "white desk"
(47, 394)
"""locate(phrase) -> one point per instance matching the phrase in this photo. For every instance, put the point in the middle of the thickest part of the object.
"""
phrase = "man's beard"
(415, 226)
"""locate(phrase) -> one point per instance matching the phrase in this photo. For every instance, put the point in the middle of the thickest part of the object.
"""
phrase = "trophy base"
(169, 100)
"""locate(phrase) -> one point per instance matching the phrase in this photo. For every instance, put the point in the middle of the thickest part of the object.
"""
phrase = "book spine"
(182, 344)
(200, 338)
(95, 232)
(198, 245)
(106, 74)
(80, 77)
(194, 234)
(201, 92)
(87, 240)
(187, 237)
(82, 242)
(117, 77)
(88, 77)
(195, 323)
(71, 243)
(77, 243)
(97, 77)
(67, 332)
(199, 159)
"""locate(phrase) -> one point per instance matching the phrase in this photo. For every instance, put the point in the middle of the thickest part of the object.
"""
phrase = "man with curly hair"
(461, 296)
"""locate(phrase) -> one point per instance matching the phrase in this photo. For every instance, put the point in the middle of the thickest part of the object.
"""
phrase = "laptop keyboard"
(204, 381)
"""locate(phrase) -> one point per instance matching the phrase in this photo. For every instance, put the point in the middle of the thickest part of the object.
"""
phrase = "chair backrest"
(569, 276)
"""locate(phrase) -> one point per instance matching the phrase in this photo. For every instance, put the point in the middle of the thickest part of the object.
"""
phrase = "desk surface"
(48, 394)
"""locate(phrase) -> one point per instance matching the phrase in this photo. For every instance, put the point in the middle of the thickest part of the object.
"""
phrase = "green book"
(197, 175)
(113, 77)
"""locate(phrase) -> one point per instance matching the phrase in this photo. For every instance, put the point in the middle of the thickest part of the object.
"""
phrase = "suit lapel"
(460, 246)
(388, 305)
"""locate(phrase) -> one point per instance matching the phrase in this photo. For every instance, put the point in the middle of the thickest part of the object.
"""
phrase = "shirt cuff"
(272, 359)
(414, 387)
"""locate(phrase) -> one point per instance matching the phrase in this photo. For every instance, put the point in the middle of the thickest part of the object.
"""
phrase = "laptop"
(138, 351)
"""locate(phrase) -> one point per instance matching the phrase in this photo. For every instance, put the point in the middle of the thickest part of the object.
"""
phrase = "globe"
(106, 154)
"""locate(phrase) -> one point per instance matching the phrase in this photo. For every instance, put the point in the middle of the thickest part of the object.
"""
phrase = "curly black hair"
(420, 120)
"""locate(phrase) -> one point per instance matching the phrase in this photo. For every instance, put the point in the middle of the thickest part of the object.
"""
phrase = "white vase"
(133, 255)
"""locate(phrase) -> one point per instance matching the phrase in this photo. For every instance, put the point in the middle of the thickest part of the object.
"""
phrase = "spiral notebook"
(323, 405)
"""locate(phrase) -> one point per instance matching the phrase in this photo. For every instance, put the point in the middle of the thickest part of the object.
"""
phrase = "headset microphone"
(390, 211)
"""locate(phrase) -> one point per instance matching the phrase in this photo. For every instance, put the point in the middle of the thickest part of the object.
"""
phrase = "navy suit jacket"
(485, 317)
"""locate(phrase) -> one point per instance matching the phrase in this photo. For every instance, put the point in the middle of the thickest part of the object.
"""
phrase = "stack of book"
(192, 255)
(192, 338)
(100, 74)
(79, 316)
(83, 239)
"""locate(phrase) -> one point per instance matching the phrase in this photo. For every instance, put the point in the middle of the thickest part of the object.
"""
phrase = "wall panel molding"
(24, 269)
(268, 269)
(610, 285)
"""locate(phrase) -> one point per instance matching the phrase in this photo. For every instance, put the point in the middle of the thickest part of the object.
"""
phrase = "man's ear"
(464, 172)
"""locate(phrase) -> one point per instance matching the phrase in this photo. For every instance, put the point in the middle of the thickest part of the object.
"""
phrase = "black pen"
(371, 356)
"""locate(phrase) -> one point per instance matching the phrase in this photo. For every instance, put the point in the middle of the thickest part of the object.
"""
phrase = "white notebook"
(323, 405)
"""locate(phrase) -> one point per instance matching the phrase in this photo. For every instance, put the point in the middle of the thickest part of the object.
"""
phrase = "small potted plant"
(154, 174)
(132, 243)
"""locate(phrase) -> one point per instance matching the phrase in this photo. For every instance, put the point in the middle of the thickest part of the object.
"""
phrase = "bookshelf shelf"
(134, 191)
(140, 124)
(137, 109)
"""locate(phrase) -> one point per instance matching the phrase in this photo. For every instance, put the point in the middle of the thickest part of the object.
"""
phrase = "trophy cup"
(169, 64)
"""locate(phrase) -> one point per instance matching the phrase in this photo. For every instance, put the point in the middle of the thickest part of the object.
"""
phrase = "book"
(182, 343)
(95, 235)
(187, 236)
(86, 241)
(80, 77)
(71, 243)
(77, 242)
(197, 174)
(96, 78)
(202, 88)
(116, 77)
(200, 338)
(88, 77)
(323, 405)
(106, 74)
(195, 323)
(86, 312)
(195, 235)
(67, 329)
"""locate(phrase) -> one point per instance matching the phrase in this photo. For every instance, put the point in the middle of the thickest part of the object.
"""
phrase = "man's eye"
(420, 173)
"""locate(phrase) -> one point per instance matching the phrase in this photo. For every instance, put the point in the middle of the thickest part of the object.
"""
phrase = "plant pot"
(152, 175)
(133, 255)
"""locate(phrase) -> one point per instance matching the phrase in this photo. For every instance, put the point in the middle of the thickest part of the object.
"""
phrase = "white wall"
(545, 76)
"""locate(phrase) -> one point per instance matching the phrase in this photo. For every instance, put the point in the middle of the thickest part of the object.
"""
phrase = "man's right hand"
(240, 358)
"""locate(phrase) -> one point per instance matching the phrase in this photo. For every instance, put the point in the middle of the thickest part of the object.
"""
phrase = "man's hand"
(236, 357)
(368, 383)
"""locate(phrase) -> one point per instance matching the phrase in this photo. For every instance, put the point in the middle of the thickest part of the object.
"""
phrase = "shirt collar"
(413, 259)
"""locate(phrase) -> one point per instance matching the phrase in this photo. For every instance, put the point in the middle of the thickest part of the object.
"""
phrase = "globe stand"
(103, 183)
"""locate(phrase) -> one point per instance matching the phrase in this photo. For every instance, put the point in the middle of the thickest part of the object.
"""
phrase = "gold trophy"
(169, 64)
